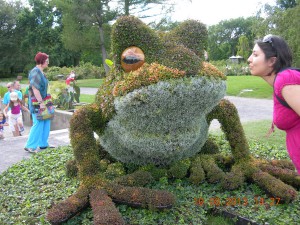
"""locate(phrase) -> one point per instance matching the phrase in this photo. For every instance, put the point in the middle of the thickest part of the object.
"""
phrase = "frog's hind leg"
(140, 196)
(68, 208)
(82, 125)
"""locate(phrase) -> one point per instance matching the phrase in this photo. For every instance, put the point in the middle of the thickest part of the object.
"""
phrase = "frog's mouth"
(162, 123)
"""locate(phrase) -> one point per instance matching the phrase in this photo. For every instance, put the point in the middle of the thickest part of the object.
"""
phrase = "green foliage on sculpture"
(182, 49)
(182, 58)
(192, 34)
(130, 31)
(160, 124)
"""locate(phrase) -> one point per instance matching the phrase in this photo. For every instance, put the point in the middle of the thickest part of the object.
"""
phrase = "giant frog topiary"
(152, 117)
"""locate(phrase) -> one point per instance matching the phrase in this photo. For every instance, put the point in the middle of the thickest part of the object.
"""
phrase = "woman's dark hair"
(275, 46)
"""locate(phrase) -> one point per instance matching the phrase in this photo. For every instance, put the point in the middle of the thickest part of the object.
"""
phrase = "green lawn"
(248, 86)
(256, 131)
(92, 83)
(87, 98)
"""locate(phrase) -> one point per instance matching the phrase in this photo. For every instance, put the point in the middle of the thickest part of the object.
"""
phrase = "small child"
(2, 124)
(15, 120)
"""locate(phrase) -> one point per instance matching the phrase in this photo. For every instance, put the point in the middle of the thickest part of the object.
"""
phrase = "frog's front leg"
(82, 126)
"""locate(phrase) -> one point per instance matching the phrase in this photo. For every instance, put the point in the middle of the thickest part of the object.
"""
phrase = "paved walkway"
(12, 148)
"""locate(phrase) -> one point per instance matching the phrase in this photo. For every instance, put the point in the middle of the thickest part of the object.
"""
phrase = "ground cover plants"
(31, 186)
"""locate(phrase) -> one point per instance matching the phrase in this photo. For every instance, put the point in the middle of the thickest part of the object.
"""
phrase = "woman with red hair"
(38, 85)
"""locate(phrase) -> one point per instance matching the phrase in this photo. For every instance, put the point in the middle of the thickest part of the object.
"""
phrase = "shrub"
(84, 71)
(62, 97)
(89, 71)
(232, 69)
(3, 90)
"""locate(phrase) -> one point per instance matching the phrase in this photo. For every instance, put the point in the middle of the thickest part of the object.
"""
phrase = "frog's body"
(161, 123)
(159, 115)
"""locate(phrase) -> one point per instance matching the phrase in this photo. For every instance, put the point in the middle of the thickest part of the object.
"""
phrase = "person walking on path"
(15, 119)
(38, 85)
(6, 97)
(271, 59)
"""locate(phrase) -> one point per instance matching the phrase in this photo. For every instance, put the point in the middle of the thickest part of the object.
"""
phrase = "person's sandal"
(31, 150)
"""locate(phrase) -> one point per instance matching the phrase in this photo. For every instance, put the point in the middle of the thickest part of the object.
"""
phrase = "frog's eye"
(132, 58)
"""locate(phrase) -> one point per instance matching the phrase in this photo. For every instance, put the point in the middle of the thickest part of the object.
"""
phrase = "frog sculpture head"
(155, 109)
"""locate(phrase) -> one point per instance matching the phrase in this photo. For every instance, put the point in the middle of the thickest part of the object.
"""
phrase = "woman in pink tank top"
(271, 59)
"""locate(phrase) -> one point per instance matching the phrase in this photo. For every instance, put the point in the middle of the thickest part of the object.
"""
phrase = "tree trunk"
(126, 7)
(103, 50)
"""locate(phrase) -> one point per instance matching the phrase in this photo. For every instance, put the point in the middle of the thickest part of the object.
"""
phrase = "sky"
(211, 12)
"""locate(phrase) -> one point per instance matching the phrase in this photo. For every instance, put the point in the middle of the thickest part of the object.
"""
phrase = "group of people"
(13, 104)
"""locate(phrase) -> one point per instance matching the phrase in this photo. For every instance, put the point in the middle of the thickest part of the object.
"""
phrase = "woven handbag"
(46, 113)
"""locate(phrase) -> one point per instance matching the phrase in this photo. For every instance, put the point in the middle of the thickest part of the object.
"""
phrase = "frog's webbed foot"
(138, 178)
(281, 169)
(206, 166)
(261, 172)
(277, 177)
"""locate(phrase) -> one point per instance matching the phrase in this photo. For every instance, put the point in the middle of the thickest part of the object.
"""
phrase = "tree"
(40, 27)
(8, 38)
(25, 31)
(287, 26)
(84, 23)
(283, 20)
(286, 4)
(243, 48)
(223, 37)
